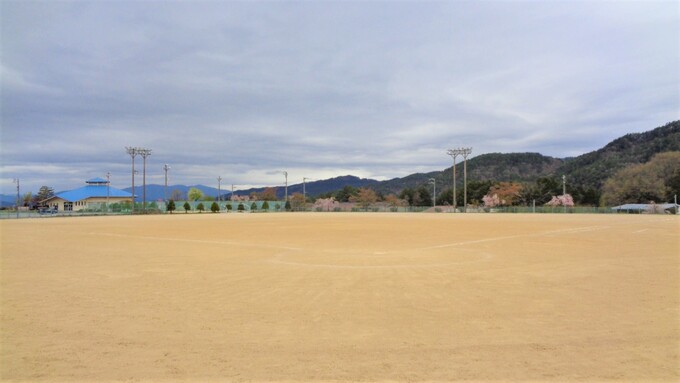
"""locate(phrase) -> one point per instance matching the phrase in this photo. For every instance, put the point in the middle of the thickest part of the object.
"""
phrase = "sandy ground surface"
(342, 297)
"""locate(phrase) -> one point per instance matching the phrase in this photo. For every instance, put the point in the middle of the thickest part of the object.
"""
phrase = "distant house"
(92, 196)
(668, 208)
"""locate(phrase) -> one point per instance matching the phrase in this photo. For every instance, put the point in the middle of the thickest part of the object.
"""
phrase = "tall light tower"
(285, 173)
(454, 153)
(465, 153)
(16, 181)
(144, 153)
(304, 190)
(219, 189)
(133, 153)
(166, 167)
(434, 191)
(108, 186)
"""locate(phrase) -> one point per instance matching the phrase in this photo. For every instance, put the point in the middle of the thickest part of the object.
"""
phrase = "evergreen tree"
(200, 207)
(170, 206)
(187, 207)
(214, 207)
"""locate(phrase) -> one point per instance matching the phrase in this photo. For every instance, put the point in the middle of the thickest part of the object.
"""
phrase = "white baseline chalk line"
(561, 231)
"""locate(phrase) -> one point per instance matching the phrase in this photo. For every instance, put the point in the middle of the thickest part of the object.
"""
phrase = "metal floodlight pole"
(16, 181)
(219, 189)
(454, 153)
(285, 173)
(434, 191)
(166, 167)
(132, 152)
(304, 190)
(144, 153)
(465, 152)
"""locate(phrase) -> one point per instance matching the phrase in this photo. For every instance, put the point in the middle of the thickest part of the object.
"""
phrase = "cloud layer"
(246, 90)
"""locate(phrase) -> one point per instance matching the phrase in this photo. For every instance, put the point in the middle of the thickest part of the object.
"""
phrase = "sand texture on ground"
(341, 297)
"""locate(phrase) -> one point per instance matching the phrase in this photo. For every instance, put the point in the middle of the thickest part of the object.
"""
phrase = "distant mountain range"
(587, 172)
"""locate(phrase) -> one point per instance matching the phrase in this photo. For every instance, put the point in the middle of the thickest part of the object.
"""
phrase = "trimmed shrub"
(241, 207)
(200, 207)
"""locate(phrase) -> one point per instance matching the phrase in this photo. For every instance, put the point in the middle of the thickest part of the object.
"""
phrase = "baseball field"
(340, 297)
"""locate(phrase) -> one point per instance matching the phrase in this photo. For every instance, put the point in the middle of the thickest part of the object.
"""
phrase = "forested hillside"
(591, 170)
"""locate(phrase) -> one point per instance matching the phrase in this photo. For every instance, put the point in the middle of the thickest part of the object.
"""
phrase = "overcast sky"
(245, 90)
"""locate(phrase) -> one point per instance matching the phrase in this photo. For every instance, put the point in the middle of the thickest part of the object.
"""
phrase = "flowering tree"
(561, 200)
(491, 200)
(326, 204)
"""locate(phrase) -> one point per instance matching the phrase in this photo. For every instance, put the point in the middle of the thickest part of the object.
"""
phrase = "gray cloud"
(377, 90)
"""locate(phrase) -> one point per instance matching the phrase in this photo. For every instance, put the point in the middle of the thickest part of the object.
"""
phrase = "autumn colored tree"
(365, 198)
(268, 194)
(507, 193)
(394, 201)
(297, 201)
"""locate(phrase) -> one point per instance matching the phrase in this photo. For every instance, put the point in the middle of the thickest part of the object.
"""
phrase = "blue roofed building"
(94, 195)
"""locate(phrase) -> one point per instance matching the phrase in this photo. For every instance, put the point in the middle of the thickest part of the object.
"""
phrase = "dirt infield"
(342, 297)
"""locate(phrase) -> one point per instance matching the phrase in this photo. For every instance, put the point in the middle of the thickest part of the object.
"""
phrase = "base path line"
(562, 231)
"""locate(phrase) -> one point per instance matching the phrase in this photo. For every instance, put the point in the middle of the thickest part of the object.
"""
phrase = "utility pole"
(232, 192)
(132, 152)
(166, 167)
(454, 153)
(16, 181)
(219, 189)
